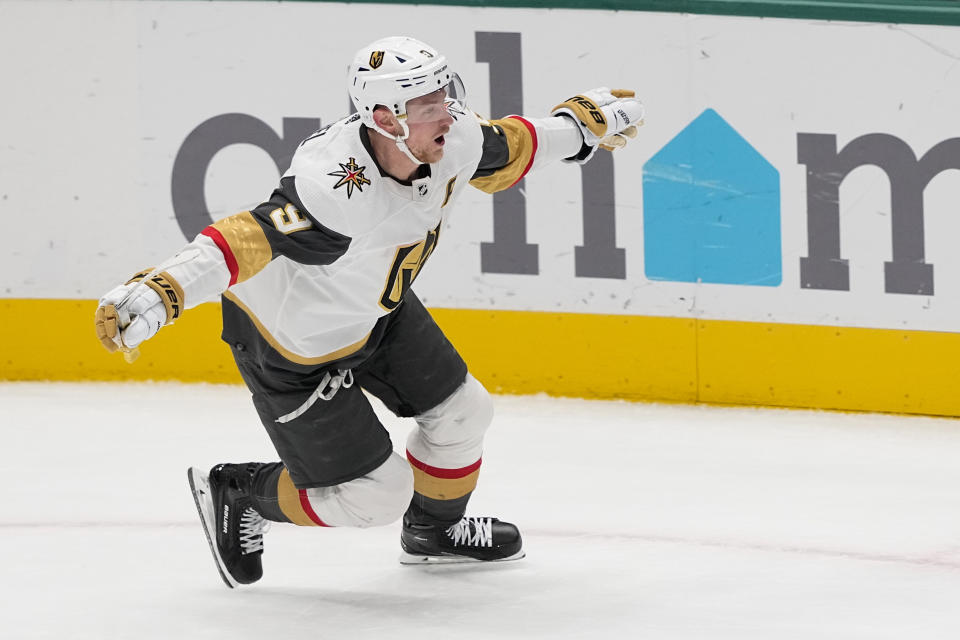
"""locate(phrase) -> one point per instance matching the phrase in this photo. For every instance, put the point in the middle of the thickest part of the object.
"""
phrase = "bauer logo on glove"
(606, 119)
(583, 104)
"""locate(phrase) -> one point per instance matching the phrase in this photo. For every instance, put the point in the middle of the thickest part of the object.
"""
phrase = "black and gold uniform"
(317, 306)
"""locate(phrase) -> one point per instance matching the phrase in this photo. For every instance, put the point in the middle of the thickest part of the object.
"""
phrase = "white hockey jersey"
(339, 243)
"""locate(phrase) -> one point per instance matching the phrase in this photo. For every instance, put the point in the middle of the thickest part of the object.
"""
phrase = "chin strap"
(402, 145)
(400, 140)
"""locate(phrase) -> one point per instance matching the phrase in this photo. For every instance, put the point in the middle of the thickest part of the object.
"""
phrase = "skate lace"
(252, 528)
(472, 532)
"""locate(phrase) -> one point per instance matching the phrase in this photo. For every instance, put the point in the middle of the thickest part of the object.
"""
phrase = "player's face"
(428, 121)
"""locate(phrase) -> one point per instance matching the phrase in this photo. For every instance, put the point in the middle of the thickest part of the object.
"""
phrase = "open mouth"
(439, 140)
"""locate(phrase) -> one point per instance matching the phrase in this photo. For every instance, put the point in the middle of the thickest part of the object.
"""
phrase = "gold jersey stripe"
(247, 241)
(520, 142)
(443, 488)
(288, 497)
(286, 353)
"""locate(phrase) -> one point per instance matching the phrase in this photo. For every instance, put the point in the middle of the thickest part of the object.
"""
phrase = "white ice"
(639, 521)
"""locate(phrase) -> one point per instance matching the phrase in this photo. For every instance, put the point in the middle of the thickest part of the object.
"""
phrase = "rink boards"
(577, 355)
(782, 232)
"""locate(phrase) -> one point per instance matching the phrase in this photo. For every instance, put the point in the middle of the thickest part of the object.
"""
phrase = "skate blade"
(200, 488)
(410, 558)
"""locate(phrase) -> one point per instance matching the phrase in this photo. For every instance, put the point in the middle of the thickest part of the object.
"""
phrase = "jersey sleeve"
(514, 146)
(509, 146)
(281, 226)
(236, 248)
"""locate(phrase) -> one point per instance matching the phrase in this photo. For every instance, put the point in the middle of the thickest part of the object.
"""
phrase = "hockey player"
(317, 305)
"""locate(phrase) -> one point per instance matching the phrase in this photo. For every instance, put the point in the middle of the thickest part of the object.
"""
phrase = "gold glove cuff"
(169, 290)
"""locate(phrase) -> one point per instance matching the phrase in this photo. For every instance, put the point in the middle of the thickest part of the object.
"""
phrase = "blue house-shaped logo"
(711, 209)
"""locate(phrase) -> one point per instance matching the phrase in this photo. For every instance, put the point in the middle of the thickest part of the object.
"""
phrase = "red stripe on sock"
(447, 474)
(308, 508)
(221, 242)
(533, 152)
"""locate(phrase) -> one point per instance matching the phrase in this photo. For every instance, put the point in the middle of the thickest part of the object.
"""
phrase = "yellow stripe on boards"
(564, 354)
(829, 367)
(577, 355)
(56, 340)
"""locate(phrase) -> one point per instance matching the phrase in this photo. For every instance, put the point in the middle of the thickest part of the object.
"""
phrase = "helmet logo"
(376, 59)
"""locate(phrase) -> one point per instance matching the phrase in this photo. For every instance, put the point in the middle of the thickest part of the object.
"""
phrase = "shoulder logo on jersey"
(407, 264)
(376, 59)
(351, 176)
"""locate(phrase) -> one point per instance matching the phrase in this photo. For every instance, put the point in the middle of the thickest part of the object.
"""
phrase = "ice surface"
(639, 521)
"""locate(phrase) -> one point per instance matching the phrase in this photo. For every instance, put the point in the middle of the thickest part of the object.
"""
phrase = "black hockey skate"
(471, 539)
(233, 527)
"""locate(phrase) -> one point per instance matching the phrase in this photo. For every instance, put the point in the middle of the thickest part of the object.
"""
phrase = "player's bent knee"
(378, 498)
(466, 412)
(451, 434)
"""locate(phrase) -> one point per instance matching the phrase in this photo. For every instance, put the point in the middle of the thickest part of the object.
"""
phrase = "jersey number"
(289, 219)
(406, 265)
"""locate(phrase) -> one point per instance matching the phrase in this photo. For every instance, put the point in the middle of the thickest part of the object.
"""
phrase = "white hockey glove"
(606, 119)
(131, 313)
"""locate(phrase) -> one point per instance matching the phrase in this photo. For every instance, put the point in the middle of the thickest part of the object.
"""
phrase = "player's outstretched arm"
(515, 145)
(228, 252)
(133, 312)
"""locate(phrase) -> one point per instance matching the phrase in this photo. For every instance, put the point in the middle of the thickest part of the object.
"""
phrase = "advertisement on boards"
(789, 171)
